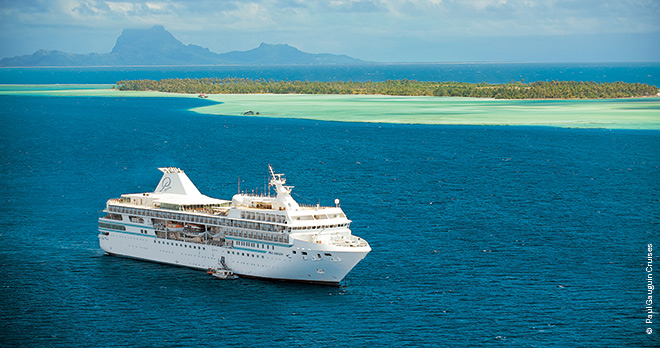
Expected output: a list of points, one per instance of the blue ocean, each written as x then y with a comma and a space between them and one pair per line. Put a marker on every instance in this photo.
490, 236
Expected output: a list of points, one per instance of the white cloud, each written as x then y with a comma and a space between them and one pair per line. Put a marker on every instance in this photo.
157, 6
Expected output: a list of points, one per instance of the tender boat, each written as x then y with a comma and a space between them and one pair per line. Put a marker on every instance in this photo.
222, 273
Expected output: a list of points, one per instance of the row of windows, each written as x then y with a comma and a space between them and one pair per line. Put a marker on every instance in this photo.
253, 245
257, 235
318, 255
245, 254
256, 226
318, 227
112, 226
180, 245
263, 217
319, 216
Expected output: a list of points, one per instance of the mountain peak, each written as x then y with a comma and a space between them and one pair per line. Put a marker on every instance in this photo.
267, 45
155, 37
157, 46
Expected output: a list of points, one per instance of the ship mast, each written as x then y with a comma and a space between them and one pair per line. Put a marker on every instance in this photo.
283, 191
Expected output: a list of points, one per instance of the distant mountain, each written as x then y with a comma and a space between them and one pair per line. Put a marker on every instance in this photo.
57, 58
284, 54
157, 46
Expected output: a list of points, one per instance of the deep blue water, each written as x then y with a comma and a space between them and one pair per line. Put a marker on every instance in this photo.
473, 72
481, 236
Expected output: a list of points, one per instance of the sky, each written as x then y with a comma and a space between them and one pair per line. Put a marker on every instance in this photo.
373, 30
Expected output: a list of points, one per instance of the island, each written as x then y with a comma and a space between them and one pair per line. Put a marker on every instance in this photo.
511, 90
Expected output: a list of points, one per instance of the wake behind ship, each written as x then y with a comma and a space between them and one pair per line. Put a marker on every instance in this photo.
262, 236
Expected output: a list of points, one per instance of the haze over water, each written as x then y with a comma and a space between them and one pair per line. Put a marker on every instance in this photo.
468, 72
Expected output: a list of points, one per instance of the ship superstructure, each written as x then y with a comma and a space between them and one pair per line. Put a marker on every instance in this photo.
264, 236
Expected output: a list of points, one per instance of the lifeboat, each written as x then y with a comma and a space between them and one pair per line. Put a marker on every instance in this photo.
195, 228
174, 226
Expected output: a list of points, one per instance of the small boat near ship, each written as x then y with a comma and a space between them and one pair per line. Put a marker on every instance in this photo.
222, 273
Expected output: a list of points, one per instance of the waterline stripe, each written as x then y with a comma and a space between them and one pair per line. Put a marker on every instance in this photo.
256, 251
257, 241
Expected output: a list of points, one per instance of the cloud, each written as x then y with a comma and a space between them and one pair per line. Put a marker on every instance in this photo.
454, 16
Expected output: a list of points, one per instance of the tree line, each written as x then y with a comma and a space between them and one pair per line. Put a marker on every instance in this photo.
512, 90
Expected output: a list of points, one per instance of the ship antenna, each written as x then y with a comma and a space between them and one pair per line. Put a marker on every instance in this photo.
272, 173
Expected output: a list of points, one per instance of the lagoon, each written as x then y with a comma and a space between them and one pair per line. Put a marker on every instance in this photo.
633, 113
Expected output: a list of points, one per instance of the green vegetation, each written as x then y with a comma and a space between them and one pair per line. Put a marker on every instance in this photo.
513, 90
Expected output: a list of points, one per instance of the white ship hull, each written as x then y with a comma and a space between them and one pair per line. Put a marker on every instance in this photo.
278, 263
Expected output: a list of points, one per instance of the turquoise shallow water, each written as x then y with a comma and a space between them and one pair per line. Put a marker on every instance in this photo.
481, 235
628, 114
631, 113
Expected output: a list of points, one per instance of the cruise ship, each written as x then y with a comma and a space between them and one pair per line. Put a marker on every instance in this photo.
267, 235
